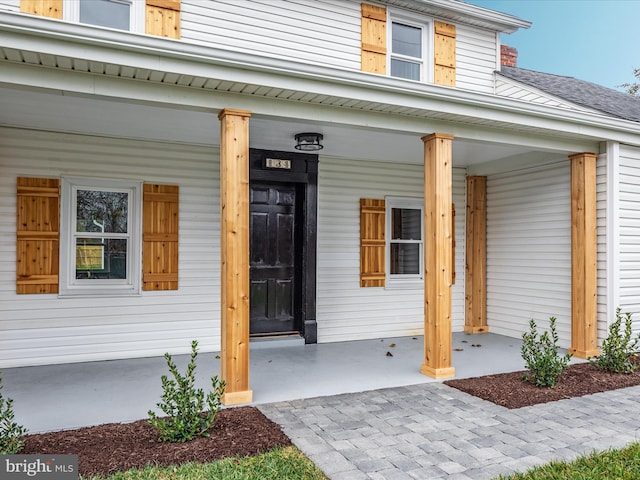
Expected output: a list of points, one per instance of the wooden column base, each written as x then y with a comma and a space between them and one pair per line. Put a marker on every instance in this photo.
474, 330
584, 353
448, 372
236, 398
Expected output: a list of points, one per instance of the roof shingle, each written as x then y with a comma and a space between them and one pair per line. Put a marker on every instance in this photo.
590, 95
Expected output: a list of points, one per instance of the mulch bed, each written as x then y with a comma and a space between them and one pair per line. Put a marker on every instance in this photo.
108, 448
508, 389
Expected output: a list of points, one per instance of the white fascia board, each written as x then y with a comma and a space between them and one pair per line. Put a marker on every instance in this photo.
140, 51
465, 13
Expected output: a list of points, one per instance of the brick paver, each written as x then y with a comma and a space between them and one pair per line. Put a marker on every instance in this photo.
432, 431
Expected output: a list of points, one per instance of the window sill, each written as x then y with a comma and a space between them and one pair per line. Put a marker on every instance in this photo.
99, 294
414, 284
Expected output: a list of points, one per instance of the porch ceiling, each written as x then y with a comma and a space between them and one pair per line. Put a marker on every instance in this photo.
41, 110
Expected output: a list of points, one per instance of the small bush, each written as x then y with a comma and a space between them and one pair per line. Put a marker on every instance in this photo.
185, 405
542, 360
10, 432
618, 348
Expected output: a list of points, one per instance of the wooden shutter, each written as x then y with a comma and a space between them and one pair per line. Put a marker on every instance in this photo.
372, 243
162, 18
374, 39
44, 8
444, 48
160, 237
37, 235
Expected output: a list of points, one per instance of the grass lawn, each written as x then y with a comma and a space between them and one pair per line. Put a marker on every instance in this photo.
291, 464
277, 464
621, 464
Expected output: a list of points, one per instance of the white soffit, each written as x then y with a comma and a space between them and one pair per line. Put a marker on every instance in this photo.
94, 116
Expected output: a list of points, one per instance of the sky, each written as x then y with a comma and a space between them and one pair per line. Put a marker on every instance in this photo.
593, 40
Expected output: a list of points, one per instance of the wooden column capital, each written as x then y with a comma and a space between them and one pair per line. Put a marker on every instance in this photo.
234, 112
585, 155
436, 136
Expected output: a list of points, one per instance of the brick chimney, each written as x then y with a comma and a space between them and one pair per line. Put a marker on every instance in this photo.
508, 56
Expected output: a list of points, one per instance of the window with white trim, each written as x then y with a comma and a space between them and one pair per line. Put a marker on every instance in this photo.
100, 237
405, 242
118, 14
408, 49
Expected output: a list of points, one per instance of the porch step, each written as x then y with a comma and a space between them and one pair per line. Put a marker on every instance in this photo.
276, 341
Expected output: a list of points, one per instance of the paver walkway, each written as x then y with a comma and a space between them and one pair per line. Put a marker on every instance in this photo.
433, 431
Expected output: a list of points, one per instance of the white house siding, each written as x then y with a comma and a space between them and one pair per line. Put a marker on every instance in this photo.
601, 214
10, 5
529, 250
512, 89
45, 329
475, 58
317, 31
630, 231
345, 311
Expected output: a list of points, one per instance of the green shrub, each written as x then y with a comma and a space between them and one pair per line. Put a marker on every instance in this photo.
185, 405
542, 360
10, 432
618, 348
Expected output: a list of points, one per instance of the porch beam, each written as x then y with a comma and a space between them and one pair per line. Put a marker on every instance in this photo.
234, 254
475, 320
584, 332
437, 258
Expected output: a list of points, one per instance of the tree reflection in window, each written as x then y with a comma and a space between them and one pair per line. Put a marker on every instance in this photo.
101, 234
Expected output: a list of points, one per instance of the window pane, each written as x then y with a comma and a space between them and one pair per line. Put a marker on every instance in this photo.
102, 212
404, 69
406, 224
405, 258
101, 258
106, 13
406, 40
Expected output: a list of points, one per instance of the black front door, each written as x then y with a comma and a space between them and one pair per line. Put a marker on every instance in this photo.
275, 258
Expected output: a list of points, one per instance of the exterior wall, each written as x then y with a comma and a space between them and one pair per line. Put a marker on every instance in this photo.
292, 30
10, 5
476, 53
529, 250
629, 182
512, 89
46, 329
601, 213
344, 310
324, 32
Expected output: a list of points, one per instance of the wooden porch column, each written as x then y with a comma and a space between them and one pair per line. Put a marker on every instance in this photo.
437, 256
234, 254
475, 320
584, 332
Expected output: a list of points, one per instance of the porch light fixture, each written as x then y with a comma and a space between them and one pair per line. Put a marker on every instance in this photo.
308, 141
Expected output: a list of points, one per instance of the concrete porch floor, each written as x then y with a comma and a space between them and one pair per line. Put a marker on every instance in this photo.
56, 397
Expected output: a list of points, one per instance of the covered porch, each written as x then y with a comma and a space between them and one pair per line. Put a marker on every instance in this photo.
192, 125
55, 397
